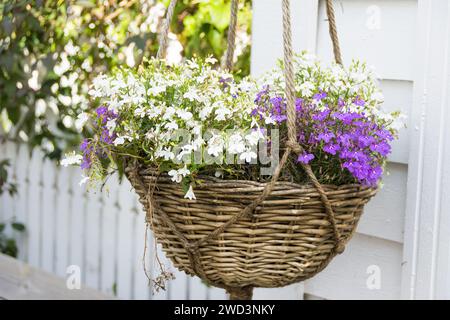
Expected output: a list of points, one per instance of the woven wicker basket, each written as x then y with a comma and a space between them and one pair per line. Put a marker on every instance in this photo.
287, 239
243, 234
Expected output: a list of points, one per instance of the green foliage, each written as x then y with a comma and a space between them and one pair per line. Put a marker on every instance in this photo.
6, 186
51, 50
8, 244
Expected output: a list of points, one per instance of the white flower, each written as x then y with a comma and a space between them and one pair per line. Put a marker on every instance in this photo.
81, 120
83, 180
399, 122
171, 125
154, 111
254, 137
176, 177
248, 155
71, 159
184, 171
211, 60
190, 194
218, 174
140, 112
119, 140
100, 86
222, 113
197, 129
111, 125
166, 154
192, 95
156, 90
170, 111
197, 143
306, 88
205, 112
236, 144
245, 86
185, 115
215, 145
358, 76
269, 120
186, 149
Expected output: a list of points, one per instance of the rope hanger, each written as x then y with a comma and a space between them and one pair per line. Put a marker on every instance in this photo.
292, 145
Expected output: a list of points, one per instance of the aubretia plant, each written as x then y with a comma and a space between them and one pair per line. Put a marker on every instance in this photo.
345, 135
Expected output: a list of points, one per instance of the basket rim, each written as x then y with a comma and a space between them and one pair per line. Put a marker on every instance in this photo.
209, 180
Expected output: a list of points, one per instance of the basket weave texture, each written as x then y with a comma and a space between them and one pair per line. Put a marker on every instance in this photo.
288, 237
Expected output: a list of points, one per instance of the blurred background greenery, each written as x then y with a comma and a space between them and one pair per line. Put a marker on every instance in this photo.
51, 50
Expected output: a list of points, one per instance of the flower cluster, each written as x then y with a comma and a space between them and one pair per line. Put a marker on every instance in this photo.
339, 121
189, 118
163, 114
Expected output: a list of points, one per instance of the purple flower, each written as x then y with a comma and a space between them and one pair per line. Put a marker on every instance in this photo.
326, 136
384, 134
86, 163
382, 148
84, 146
305, 157
319, 96
344, 140
365, 141
101, 111
331, 148
105, 115
347, 117
321, 116
341, 102
107, 137
260, 95
359, 102
299, 104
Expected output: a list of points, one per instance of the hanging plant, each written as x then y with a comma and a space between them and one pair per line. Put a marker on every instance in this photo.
244, 183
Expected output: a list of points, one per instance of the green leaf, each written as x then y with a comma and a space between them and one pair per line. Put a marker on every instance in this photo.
18, 226
2, 227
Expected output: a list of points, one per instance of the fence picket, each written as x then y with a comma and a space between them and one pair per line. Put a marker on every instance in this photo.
48, 181
62, 220
77, 225
125, 243
92, 237
34, 209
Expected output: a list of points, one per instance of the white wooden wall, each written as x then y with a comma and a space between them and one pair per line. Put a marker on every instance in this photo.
405, 229
389, 47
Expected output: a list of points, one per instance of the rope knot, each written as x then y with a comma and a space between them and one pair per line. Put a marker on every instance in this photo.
294, 146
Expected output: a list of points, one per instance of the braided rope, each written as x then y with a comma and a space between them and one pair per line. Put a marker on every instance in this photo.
165, 30
289, 74
292, 143
333, 32
231, 40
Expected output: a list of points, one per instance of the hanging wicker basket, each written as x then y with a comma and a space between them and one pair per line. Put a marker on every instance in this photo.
241, 234
288, 237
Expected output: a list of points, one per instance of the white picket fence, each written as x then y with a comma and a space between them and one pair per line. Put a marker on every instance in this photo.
102, 233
